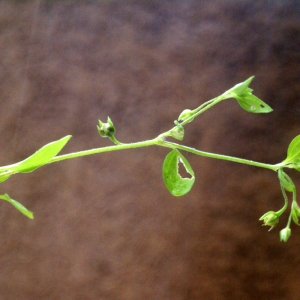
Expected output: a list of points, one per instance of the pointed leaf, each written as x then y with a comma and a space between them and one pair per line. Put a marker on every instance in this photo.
177, 185
40, 157
293, 152
253, 104
240, 87
4, 177
18, 206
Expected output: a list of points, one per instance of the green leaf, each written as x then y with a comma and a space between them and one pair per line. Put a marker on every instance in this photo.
253, 104
177, 185
40, 157
4, 177
240, 87
18, 206
243, 94
286, 181
293, 152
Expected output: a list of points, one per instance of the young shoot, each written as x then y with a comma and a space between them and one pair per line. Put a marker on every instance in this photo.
177, 184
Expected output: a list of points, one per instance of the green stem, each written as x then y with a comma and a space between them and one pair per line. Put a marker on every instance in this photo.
203, 107
219, 156
286, 201
159, 142
196, 112
288, 225
104, 149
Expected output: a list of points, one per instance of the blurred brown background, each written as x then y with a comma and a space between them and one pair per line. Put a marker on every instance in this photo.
105, 226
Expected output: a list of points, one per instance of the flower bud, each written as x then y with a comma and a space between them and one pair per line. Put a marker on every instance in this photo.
106, 129
187, 113
284, 234
270, 219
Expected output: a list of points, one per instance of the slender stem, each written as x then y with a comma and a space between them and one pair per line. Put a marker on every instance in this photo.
286, 201
219, 156
203, 107
288, 225
204, 104
104, 149
196, 112
162, 143
294, 197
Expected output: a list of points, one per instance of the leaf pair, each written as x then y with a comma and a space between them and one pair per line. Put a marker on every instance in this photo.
243, 94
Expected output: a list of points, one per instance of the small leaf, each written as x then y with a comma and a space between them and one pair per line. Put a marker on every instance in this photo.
40, 157
18, 206
286, 181
253, 104
4, 175
243, 94
4, 178
240, 87
293, 152
177, 185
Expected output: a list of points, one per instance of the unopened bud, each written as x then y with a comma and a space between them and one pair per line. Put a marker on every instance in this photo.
284, 234
106, 129
270, 219
187, 113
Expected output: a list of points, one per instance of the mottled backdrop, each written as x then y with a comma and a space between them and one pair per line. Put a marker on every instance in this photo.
105, 226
